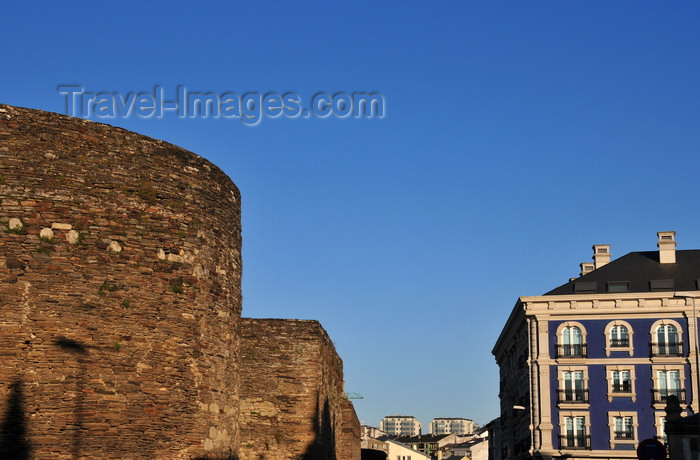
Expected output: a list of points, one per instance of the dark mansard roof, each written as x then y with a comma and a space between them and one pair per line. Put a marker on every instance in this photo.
639, 272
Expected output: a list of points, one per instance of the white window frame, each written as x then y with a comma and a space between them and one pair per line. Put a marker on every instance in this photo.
562, 385
611, 424
563, 415
609, 377
655, 368
660, 419
560, 338
608, 337
653, 335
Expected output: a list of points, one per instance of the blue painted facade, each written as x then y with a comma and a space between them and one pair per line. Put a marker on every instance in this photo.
599, 405
598, 393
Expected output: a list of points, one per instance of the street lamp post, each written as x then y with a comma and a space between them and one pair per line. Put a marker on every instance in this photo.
519, 407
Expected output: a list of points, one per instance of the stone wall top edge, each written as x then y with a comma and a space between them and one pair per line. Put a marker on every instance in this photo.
60, 122
293, 325
284, 320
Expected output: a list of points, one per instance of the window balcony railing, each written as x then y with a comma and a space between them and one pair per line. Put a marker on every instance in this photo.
577, 442
573, 396
624, 387
619, 343
666, 349
578, 350
660, 396
625, 434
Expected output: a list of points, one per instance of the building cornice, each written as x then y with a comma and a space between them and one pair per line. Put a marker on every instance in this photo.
607, 296
616, 303
638, 303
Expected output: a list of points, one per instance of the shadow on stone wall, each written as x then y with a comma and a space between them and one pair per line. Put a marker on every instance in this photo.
81, 351
14, 443
323, 447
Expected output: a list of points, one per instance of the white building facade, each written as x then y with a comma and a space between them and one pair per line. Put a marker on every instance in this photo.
400, 425
450, 425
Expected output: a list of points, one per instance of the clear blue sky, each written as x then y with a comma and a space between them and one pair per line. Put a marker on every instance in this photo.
516, 135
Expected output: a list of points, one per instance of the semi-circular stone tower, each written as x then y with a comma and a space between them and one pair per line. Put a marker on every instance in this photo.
120, 300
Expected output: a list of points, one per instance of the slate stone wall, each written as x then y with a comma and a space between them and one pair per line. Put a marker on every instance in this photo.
350, 439
292, 402
120, 296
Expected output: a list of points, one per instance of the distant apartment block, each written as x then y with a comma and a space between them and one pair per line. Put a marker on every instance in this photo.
400, 425
449, 425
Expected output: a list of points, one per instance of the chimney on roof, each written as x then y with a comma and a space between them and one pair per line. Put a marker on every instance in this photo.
586, 267
667, 247
601, 255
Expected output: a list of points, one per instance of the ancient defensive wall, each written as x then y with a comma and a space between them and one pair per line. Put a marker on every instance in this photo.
120, 311
292, 400
120, 297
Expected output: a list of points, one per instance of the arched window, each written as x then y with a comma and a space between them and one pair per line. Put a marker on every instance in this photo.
666, 339
618, 337
572, 341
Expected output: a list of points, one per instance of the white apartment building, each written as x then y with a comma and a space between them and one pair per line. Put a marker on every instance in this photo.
400, 425
450, 425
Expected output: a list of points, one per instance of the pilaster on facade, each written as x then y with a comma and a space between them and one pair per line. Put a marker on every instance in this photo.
545, 424
691, 304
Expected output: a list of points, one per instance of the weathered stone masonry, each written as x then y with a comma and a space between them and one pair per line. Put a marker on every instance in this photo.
120, 303
119, 291
350, 439
292, 400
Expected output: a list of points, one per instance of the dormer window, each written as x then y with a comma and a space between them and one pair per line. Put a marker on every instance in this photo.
661, 285
619, 286
585, 287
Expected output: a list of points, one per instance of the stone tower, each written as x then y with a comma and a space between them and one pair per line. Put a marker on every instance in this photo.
120, 298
